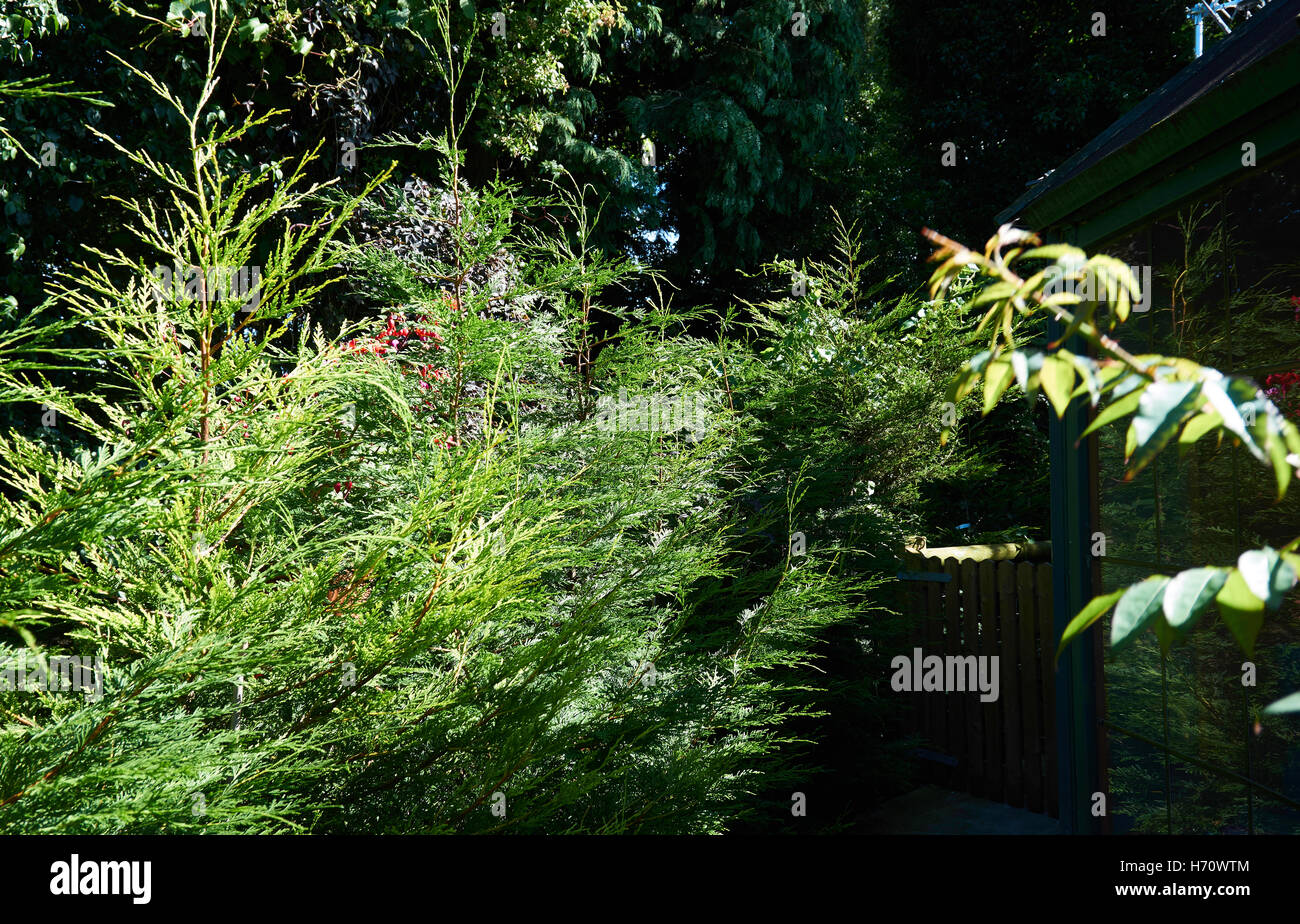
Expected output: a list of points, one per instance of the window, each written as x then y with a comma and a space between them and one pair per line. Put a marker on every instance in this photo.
1186, 752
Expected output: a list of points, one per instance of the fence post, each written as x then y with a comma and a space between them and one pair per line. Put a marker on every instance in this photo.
1009, 682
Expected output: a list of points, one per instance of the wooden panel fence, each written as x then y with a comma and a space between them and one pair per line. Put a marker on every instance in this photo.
1000, 606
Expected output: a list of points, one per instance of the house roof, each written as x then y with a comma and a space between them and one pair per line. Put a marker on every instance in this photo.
1257, 63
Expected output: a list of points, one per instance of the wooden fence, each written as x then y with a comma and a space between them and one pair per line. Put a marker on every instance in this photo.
988, 601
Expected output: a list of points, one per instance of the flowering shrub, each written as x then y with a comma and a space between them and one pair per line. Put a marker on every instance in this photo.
392, 339
1279, 386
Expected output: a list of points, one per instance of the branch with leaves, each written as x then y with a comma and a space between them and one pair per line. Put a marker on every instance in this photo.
1165, 398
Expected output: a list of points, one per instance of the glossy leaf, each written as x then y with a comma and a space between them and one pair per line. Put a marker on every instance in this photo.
1161, 411
1135, 609
1089, 380
1267, 575
1119, 407
1096, 608
1230, 397
1189, 593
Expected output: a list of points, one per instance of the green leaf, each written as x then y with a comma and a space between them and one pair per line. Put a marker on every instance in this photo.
1095, 609
992, 313
1029, 286
1281, 468
1291, 436
993, 293
253, 30
1285, 704
1241, 610
1267, 575
1166, 634
1229, 396
301, 46
1088, 379
997, 377
1139, 603
1057, 381
1116, 409
1029, 364
1056, 252
1115, 282
467, 8
964, 380
1189, 593
1161, 410
1082, 315
1020, 366
1197, 427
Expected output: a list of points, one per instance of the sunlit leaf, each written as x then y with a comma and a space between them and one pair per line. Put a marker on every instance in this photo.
1282, 473
1285, 704
1096, 608
997, 377
1089, 382
1119, 407
1197, 427
992, 293
1189, 593
1135, 608
1161, 410
1267, 575
253, 29
1230, 396
1056, 252
1057, 381
1241, 610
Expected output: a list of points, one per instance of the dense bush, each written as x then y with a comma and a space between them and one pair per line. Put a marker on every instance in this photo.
503, 557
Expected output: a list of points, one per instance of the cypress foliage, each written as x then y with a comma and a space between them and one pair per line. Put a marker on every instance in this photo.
406, 580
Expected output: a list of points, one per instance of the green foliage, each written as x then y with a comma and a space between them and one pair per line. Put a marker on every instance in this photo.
409, 579
367, 548
571, 88
1166, 396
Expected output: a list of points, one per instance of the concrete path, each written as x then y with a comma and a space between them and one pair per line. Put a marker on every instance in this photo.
932, 810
